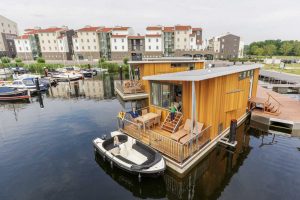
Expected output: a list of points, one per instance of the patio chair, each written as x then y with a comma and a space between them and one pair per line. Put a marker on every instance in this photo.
197, 130
183, 130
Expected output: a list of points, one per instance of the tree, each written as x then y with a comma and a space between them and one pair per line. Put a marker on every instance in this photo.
125, 60
296, 48
286, 48
259, 51
270, 49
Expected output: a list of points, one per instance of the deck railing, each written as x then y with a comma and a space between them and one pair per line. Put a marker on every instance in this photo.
130, 86
175, 150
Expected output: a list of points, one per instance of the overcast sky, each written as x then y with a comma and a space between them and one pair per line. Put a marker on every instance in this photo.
251, 19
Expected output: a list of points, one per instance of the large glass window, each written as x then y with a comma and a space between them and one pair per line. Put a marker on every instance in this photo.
163, 94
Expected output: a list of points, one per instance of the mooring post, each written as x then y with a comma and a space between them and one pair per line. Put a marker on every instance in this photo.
232, 133
37, 84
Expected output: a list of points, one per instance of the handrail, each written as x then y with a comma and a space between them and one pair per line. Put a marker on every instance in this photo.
165, 119
175, 127
269, 95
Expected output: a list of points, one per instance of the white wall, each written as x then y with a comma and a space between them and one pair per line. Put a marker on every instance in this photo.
6, 26
86, 42
182, 39
23, 45
63, 44
153, 43
119, 44
48, 41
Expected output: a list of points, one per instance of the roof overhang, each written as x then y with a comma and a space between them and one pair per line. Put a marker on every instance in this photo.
202, 74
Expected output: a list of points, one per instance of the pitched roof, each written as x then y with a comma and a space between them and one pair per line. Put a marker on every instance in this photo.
136, 37
31, 31
197, 29
23, 37
182, 28
49, 30
154, 28
120, 28
168, 29
153, 35
105, 30
118, 36
89, 29
202, 74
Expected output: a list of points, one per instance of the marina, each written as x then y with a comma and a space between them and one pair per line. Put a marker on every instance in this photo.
62, 163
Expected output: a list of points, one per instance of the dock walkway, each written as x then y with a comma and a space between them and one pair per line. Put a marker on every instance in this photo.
289, 111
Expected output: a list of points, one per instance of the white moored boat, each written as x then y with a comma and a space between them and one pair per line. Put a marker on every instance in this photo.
130, 155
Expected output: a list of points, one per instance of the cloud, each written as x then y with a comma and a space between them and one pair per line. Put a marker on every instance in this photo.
253, 20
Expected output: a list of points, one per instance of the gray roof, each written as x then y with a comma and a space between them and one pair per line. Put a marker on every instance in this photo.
167, 60
202, 74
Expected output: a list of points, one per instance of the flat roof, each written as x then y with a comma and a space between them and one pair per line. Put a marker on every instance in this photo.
167, 60
202, 74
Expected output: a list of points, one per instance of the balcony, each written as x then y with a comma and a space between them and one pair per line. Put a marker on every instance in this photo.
153, 135
131, 90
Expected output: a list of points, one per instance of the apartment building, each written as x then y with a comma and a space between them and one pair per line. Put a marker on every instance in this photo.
104, 35
136, 47
154, 41
226, 46
27, 45
119, 42
8, 32
86, 43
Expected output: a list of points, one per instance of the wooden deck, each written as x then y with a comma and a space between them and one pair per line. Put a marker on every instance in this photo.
289, 111
161, 140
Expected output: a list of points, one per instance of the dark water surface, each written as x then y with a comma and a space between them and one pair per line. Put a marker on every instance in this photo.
48, 154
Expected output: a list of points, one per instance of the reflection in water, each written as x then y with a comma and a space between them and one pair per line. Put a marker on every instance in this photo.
92, 89
206, 180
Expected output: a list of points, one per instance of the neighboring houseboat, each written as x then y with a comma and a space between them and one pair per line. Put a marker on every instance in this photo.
135, 88
206, 101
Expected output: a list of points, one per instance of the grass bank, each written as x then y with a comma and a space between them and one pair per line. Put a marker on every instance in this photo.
289, 68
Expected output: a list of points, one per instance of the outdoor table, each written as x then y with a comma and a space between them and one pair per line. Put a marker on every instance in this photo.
145, 118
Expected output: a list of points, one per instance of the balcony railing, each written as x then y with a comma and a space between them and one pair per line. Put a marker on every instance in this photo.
175, 150
130, 87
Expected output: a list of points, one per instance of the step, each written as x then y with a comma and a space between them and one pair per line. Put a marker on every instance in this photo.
169, 126
167, 129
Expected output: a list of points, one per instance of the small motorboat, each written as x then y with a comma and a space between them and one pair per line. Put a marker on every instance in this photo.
64, 77
130, 155
27, 84
11, 94
23, 76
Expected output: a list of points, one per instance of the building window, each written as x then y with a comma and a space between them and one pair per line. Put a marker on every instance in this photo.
49, 41
162, 94
192, 39
177, 39
27, 48
149, 40
88, 40
157, 47
122, 40
89, 47
75, 40
47, 34
149, 47
93, 33
185, 39
61, 48
94, 40
18, 41
20, 48
42, 41
95, 47
44, 48
115, 47
60, 41
156, 39
81, 40
87, 33
55, 48
123, 47
49, 48
54, 41
82, 47
76, 48
115, 40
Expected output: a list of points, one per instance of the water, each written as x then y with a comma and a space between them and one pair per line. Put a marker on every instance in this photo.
48, 154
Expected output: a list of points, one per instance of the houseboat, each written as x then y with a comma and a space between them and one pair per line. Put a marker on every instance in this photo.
134, 89
206, 101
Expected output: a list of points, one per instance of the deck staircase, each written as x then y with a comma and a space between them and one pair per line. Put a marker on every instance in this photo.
172, 126
272, 105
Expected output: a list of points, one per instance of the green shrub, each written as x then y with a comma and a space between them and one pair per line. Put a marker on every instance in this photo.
18, 60
125, 60
40, 60
5, 59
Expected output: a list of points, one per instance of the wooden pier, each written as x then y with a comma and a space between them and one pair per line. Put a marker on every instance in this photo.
287, 118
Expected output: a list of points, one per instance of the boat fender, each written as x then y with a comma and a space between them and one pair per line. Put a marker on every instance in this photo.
121, 115
111, 164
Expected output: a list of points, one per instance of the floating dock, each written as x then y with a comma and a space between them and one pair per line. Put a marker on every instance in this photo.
288, 120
